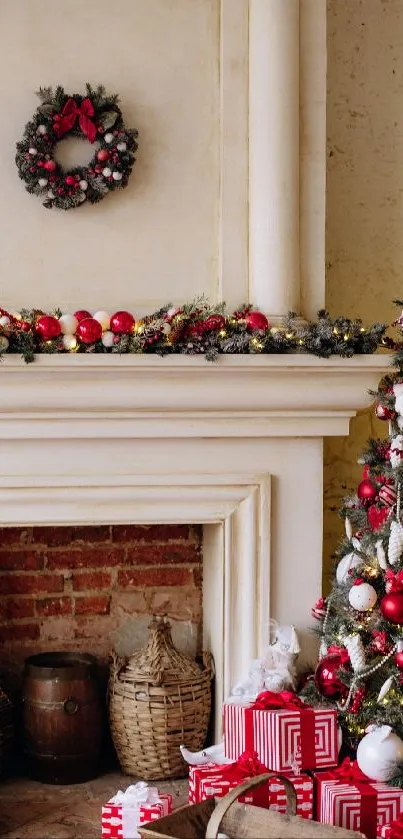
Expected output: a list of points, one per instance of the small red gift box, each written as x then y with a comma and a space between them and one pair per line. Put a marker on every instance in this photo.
216, 780
345, 797
122, 815
284, 731
391, 830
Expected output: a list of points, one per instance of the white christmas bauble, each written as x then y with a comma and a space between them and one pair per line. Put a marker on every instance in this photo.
108, 339
107, 172
43, 181
3, 343
117, 176
4, 320
379, 752
362, 597
33, 151
82, 197
16, 315
68, 324
51, 194
103, 318
108, 137
121, 146
348, 561
69, 342
167, 328
83, 185
41, 129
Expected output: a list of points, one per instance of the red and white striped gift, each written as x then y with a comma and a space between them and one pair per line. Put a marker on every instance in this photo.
303, 738
121, 820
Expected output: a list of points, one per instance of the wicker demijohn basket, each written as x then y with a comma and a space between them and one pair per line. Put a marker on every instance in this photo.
158, 700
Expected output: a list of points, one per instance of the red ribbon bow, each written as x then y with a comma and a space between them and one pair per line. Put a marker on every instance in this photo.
396, 828
349, 772
70, 113
394, 582
270, 701
247, 766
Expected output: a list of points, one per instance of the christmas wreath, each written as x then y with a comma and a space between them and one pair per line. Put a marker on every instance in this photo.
192, 329
95, 117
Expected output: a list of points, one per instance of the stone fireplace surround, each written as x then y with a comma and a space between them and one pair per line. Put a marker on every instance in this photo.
234, 445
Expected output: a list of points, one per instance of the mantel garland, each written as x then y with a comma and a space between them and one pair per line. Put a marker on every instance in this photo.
192, 329
95, 117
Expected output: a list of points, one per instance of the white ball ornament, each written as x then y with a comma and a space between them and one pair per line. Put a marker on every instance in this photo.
3, 343
348, 561
68, 324
4, 320
107, 172
108, 137
83, 185
117, 176
41, 129
108, 339
69, 342
32, 151
379, 752
43, 182
362, 597
82, 197
121, 146
51, 194
103, 318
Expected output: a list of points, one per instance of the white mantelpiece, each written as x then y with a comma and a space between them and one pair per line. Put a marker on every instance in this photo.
236, 445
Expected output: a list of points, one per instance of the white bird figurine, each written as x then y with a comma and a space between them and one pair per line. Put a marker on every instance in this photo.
213, 754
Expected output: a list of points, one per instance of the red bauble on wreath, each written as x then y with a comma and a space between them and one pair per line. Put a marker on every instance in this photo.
391, 607
48, 328
122, 323
89, 331
256, 320
326, 678
384, 413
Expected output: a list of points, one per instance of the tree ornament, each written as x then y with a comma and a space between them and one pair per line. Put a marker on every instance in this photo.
256, 321
346, 564
122, 323
4, 343
380, 554
399, 655
48, 327
367, 491
379, 752
396, 451
357, 700
327, 681
355, 649
81, 314
69, 342
348, 528
391, 607
89, 331
108, 339
65, 115
387, 495
103, 318
379, 644
384, 413
385, 689
395, 546
377, 516
362, 596
319, 609
5, 321
68, 324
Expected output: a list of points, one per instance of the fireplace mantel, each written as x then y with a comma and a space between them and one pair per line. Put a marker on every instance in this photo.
235, 445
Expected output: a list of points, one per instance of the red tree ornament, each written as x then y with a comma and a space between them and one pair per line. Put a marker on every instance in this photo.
383, 413
399, 659
256, 320
391, 607
81, 314
387, 495
89, 330
326, 678
377, 516
48, 327
367, 491
357, 700
122, 323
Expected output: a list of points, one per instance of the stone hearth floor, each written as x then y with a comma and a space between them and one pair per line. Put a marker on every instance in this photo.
30, 810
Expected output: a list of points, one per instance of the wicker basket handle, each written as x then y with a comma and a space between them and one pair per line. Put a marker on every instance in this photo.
226, 802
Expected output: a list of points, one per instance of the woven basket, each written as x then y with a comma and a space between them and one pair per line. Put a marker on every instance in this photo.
158, 699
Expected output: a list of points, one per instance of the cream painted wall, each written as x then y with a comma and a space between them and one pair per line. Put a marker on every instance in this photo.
158, 239
364, 243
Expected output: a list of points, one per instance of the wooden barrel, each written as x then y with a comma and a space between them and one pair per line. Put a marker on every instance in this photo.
62, 717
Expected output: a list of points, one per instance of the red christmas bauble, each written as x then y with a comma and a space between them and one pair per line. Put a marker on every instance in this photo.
383, 413
103, 154
24, 326
50, 165
326, 679
399, 660
122, 323
70, 179
367, 491
81, 314
89, 330
214, 323
256, 320
391, 607
48, 327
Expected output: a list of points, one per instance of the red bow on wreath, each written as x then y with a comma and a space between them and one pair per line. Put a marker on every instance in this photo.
65, 121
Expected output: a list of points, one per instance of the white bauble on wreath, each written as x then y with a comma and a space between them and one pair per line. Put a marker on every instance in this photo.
379, 752
362, 597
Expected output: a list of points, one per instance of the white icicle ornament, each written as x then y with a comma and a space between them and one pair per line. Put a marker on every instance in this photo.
396, 451
385, 689
347, 562
355, 649
379, 752
395, 546
380, 554
348, 527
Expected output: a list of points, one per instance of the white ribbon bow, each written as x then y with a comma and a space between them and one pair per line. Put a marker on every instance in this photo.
131, 800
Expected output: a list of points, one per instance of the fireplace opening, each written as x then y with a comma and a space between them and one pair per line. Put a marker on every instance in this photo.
94, 589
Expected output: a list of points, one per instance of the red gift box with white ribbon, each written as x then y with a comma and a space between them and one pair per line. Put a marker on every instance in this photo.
391, 830
345, 797
139, 804
215, 780
286, 733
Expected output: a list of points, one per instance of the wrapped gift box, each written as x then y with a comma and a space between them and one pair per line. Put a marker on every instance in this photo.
286, 733
391, 830
215, 781
345, 797
139, 804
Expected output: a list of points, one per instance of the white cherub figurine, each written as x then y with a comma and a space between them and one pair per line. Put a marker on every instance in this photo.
276, 669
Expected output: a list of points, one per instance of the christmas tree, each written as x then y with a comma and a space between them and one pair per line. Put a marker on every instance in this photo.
360, 668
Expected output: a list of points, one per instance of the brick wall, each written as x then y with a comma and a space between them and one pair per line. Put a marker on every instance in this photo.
84, 588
